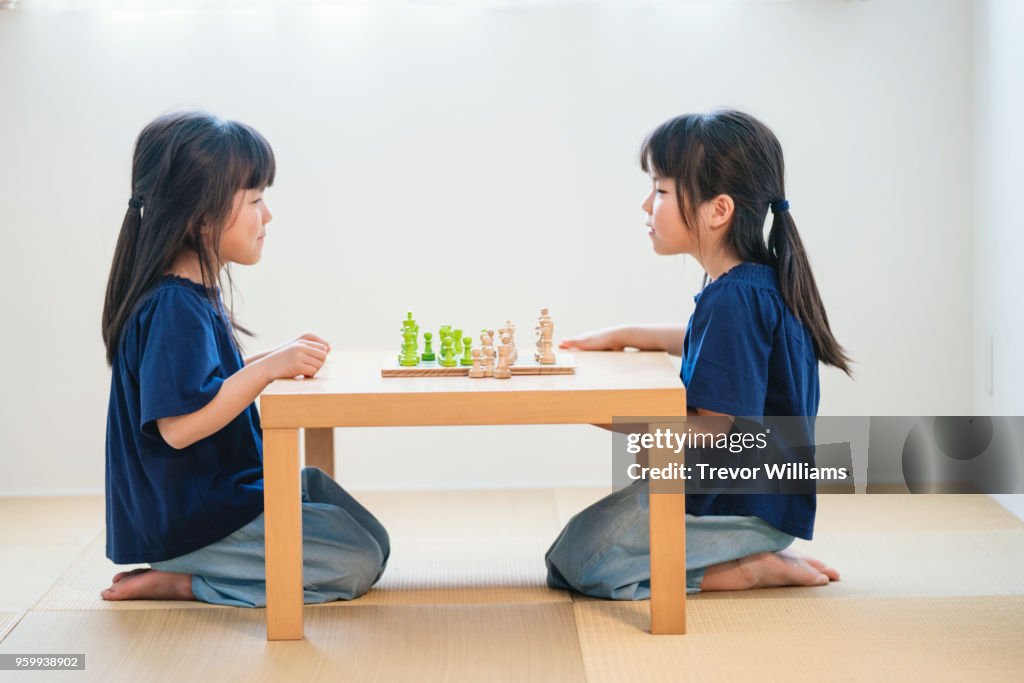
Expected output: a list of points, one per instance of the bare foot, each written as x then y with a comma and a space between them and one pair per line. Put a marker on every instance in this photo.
149, 584
832, 574
766, 570
120, 575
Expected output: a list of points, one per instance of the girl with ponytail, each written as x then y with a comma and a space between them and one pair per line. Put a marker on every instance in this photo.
751, 349
184, 475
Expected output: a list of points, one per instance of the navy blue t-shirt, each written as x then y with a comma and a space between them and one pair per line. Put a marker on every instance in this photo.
745, 354
175, 352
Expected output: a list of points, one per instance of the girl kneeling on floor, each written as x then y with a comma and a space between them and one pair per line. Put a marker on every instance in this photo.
184, 474
751, 349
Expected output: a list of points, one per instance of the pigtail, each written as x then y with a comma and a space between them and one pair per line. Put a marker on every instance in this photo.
799, 290
122, 277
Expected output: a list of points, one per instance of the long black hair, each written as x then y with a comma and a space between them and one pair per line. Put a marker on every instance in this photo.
732, 153
186, 168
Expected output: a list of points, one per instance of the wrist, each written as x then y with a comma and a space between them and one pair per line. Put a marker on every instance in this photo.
623, 336
262, 370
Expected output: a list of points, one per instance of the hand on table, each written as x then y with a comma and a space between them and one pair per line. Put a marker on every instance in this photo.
608, 339
303, 356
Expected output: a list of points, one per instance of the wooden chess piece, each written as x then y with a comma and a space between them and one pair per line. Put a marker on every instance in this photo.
545, 341
503, 371
478, 369
488, 351
514, 356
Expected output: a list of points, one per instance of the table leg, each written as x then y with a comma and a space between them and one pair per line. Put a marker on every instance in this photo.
282, 503
668, 545
320, 450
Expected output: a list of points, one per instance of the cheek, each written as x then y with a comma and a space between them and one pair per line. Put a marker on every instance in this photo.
668, 213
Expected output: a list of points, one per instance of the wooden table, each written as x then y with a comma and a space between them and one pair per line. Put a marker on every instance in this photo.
349, 392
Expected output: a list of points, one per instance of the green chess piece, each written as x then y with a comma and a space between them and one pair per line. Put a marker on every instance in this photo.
448, 353
409, 325
409, 357
467, 351
458, 341
428, 349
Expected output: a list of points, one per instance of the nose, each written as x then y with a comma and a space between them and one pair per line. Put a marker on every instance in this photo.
647, 203
267, 215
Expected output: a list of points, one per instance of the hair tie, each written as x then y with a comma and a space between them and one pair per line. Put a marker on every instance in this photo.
780, 206
135, 203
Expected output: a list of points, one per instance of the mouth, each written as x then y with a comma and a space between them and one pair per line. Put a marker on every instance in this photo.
650, 229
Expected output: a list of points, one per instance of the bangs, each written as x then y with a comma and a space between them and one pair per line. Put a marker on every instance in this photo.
666, 150
252, 165
654, 157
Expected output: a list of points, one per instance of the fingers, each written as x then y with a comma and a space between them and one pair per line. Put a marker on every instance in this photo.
585, 344
309, 336
312, 358
317, 349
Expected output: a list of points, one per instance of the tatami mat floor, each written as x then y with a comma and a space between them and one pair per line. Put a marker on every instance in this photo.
932, 589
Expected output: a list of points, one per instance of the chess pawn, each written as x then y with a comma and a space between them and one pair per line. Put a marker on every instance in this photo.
448, 359
478, 368
503, 371
443, 333
467, 358
428, 349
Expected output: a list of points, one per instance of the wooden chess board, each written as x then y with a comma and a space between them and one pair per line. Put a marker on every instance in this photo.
565, 364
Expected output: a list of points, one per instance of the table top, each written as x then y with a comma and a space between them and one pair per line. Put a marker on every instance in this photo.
349, 391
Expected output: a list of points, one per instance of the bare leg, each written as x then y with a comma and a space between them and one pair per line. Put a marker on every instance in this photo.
149, 584
766, 570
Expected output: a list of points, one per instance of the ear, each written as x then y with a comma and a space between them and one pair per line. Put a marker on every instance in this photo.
719, 211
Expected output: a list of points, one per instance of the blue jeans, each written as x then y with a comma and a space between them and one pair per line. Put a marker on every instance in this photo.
604, 551
344, 552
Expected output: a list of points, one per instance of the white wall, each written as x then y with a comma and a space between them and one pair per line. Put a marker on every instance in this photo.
998, 217
472, 162
998, 221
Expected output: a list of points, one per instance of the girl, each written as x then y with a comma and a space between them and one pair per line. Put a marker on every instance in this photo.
751, 349
184, 476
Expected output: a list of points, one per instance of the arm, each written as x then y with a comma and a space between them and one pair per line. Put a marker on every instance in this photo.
666, 337
663, 337
300, 357
255, 357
